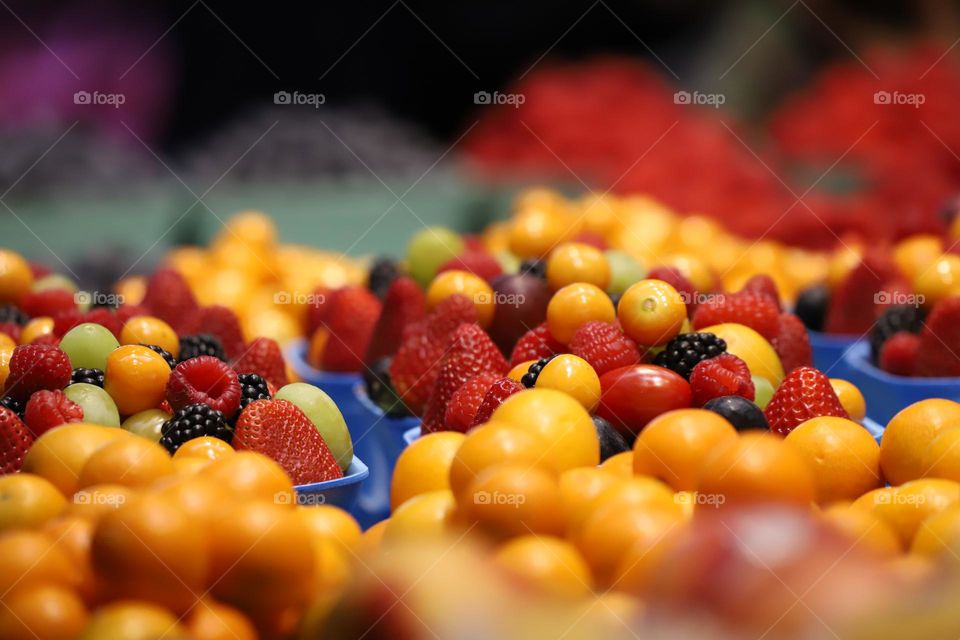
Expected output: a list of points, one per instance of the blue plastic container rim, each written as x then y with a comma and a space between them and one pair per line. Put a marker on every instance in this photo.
398, 422
411, 435
356, 473
858, 356
296, 352
837, 340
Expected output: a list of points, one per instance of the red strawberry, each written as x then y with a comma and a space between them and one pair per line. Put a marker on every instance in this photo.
317, 308
852, 302
48, 409
792, 343
678, 281
535, 344
220, 322
939, 351
49, 303
350, 322
723, 375
762, 283
204, 379
15, 441
757, 311
898, 355
12, 329
465, 402
403, 305
604, 346
415, 367
35, 367
281, 431
264, 358
804, 394
496, 394
168, 297
479, 263
470, 353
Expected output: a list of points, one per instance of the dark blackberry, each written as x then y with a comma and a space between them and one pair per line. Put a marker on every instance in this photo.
12, 313
529, 379
382, 273
194, 421
811, 306
892, 320
252, 387
686, 350
202, 344
166, 355
13, 404
534, 267
88, 376
380, 389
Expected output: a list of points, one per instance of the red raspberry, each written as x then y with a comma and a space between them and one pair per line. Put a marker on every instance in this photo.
220, 322
465, 402
757, 311
15, 441
48, 409
535, 344
204, 379
35, 367
403, 305
604, 346
762, 283
353, 315
264, 358
479, 263
898, 355
792, 343
12, 329
678, 281
940, 341
49, 303
168, 297
496, 394
469, 353
804, 394
723, 375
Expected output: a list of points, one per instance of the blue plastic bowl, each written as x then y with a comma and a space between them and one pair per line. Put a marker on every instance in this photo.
887, 394
875, 429
410, 435
389, 430
342, 492
828, 352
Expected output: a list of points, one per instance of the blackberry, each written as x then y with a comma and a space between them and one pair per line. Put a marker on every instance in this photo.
87, 376
12, 313
13, 404
194, 421
252, 387
380, 389
892, 320
529, 379
166, 355
811, 306
686, 350
382, 273
534, 267
202, 344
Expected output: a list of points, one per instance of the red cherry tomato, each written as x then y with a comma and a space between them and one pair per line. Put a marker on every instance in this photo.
630, 397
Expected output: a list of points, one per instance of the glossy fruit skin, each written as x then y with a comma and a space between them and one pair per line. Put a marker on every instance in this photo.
325, 416
942, 457
851, 398
612, 441
88, 345
937, 534
521, 304
651, 312
59, 454
27, 501
35, 328
910, 504
489, 445
46, 611
146, 424
909, 434
150, 330
575, 304
577, 262
136, 379
574, 376
549, 564
633, 396
428, 249
425, 516
466, 284
424, 466
131, 462
15, 276
752, 348
98, 406
508, 500
738, 411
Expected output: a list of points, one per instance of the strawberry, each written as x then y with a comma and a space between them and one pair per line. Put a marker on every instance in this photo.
792, 343
939, 350
678, 281
403, 305
465, 402
898, 355
350, 322
15, 441
220, 322
535, 344
415, 367
281, 431
168, 297
852, 301
48, 409
604, 346
477, 262
49, 303
755, 310
804, 394
723, 375
317, 308
264, 358
470, 353
496, 394
762, 283
35, 367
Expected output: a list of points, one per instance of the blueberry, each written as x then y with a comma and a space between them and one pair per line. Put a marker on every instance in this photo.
739, 412
811, 306
612, 441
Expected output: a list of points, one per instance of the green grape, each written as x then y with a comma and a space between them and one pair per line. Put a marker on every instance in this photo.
624, 271
98, 406
54, 281
88, 345
146, 424
764, 391
508, 262
430, 248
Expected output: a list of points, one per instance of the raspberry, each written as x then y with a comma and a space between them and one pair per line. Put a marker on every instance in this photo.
804, 394
204, 380
15, 441
49, 303
678, 281
194, 421
892, 321
604, 346
168, 297
724, 375
792, 343
535, 344
496, 394
852, 301
898, 355
48, 409
35, 367
383, 272
264, 358
350, 322
465, 401
47, 340
403, 304
479, 263
683, 353
755, 310
940, 341
220, 322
